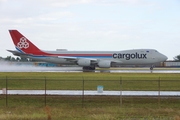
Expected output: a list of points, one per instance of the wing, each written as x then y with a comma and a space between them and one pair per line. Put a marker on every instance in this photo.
75, 59
93, 61
71, 59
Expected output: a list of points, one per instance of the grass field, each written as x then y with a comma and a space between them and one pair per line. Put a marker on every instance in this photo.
74, 81
93, 107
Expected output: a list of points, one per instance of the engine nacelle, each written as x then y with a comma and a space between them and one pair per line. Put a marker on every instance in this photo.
84, 62
104, 64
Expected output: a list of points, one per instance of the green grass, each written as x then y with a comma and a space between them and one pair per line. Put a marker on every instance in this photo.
90, 107
94, 107
74, 81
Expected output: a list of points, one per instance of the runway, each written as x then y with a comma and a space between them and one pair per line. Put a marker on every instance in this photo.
28, 68
91, 92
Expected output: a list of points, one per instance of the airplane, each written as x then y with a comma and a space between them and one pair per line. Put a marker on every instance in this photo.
88, 60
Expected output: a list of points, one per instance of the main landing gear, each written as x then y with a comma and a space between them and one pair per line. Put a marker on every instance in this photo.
89, 68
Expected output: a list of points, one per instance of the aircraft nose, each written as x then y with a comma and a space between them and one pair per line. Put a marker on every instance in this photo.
164, 58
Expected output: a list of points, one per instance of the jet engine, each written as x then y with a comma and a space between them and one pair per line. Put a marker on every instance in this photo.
104, 64
84, 62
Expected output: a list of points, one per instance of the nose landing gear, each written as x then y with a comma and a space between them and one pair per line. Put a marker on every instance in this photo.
151, 68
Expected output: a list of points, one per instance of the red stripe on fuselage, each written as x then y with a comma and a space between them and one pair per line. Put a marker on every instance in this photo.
50, 54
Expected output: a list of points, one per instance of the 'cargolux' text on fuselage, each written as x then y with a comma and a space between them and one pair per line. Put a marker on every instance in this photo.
128, 56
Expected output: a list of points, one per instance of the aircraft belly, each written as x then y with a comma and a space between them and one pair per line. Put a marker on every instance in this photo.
133, 62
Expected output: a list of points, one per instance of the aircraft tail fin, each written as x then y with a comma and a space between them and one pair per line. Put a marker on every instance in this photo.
22, 44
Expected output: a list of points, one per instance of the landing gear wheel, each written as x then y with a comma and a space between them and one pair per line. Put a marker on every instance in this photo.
151, 68
89, 68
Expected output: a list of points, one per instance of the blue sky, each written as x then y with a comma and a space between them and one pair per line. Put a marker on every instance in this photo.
93, 24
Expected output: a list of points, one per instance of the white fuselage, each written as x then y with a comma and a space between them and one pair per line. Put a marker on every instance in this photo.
128, 57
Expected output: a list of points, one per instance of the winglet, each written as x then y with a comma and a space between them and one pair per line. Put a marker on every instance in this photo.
22, 44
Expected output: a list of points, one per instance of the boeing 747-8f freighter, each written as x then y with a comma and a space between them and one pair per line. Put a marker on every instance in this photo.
89, 60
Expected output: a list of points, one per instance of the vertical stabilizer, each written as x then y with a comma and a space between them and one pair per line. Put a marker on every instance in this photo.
22, 44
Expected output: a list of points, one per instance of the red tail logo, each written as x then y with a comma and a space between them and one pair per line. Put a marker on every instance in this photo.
23, 45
